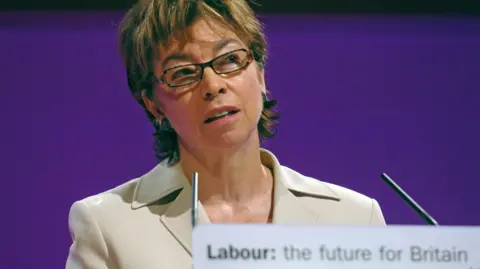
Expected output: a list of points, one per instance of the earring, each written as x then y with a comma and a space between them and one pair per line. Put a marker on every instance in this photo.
264, 97
165, 125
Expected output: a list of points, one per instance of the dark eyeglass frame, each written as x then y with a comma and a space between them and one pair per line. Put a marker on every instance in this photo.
161, 79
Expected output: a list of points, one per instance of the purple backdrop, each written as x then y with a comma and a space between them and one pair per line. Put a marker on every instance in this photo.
359, 96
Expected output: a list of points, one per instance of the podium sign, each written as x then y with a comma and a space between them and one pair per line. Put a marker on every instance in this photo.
232, 246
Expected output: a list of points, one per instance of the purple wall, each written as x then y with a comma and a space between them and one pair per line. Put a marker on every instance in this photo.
359, 96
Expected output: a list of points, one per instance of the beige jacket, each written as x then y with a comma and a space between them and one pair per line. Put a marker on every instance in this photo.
146, 222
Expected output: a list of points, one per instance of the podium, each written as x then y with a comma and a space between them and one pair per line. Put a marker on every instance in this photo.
269, 246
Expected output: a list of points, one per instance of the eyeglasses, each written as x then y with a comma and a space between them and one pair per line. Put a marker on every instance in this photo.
222, 65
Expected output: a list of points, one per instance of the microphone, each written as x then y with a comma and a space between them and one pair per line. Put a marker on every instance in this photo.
194, 198
425, 216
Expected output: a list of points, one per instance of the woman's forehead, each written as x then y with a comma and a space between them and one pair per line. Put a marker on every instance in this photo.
201, 34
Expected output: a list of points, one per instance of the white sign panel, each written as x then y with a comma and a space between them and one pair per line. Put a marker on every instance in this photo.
217, 246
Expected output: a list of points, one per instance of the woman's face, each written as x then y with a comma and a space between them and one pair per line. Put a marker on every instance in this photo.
190, 109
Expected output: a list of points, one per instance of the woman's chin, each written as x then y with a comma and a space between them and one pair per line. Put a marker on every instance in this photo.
231, 139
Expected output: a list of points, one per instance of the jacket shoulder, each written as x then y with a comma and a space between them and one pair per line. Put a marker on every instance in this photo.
113, 198
90, 221
316, 186
338, 200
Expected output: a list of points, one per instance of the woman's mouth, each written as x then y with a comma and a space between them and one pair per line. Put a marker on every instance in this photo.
220, 115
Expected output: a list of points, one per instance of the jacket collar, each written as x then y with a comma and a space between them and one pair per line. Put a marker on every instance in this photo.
164, 180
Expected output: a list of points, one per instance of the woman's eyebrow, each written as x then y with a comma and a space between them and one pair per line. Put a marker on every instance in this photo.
220, 44
178, 56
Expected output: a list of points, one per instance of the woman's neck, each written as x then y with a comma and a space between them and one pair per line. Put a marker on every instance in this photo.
228, 176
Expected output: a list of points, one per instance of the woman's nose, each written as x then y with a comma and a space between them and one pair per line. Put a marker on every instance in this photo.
212, 84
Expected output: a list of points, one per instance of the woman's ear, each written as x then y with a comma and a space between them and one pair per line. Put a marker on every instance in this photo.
151, 106
261, 77
262, 81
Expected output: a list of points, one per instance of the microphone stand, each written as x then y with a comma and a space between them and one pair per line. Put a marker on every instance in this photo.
409, 200
194, 199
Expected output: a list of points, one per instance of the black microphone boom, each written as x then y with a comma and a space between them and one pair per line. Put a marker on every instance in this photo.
409, 200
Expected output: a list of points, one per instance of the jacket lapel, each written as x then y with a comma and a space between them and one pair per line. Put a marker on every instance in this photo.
178, 218
168, 183
288, 209
289, 187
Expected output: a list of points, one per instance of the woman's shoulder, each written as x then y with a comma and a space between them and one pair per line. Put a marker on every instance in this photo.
133, 194
319, 187
126, 193
117, 221
332, 199
107, 201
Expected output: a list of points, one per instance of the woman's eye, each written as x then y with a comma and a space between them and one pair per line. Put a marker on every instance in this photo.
232, 58
183, 72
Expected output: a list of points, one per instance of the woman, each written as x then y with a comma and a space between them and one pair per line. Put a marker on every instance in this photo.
197, 68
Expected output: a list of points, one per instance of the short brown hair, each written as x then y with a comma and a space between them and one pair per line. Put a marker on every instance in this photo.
150, 24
